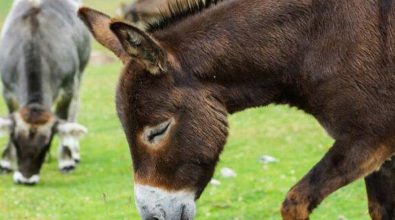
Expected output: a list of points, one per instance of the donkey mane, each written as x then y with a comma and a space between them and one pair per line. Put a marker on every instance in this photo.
179, 10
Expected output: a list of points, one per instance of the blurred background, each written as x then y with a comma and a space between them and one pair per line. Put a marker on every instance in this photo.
269, 149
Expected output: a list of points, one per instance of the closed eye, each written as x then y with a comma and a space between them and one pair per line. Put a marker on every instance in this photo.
155, 134
158, 131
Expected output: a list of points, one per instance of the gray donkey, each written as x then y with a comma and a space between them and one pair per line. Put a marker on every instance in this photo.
44, 49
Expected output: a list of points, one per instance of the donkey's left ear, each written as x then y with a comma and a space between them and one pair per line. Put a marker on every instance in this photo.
141, 45
71, 129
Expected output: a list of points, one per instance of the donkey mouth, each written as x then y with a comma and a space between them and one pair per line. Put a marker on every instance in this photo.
158, 204
25, 183
19, 178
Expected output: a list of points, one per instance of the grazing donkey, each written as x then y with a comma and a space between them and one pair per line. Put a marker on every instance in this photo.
333, 59
44, 50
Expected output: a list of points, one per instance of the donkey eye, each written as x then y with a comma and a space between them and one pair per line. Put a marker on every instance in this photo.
156, 133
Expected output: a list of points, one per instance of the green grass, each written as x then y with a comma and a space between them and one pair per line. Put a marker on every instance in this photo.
101, 187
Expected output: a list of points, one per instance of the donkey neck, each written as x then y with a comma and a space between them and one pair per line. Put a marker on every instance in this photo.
33, 78
249, 49
32, 74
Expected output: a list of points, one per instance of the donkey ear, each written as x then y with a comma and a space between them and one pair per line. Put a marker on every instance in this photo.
99, 25
5, 126
71, 129
141, 45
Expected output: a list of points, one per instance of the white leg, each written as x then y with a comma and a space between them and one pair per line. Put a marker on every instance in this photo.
66, 162
73, 143
8, 158
69, 152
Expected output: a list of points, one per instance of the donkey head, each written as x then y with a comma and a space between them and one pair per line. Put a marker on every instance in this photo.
175, 125
31, 131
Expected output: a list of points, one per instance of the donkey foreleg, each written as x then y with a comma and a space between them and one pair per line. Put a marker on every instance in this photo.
380, 187
7, 158
72, 117
345, 162
66, 163
69, 152
9, 154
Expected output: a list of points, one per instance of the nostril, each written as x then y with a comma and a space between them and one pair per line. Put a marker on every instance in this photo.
152, 218
183, 217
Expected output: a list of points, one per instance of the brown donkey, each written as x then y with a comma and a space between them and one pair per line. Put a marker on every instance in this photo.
333, 59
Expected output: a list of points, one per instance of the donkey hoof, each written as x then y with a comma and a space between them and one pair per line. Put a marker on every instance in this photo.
5, 167
77, 161
67, 169
5, 170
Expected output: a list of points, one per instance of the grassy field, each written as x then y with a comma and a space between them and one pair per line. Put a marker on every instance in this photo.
101, 187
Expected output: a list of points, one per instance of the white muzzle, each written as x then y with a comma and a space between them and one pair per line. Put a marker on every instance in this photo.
20, 179
156, 204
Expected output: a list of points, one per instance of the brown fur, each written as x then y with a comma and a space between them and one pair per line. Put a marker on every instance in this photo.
107, 38
35, 115
333, 59
381, 189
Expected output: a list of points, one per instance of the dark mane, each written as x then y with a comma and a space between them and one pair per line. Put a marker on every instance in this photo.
179, 10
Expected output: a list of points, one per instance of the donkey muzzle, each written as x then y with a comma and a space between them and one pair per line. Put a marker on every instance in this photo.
19, 178
157, 204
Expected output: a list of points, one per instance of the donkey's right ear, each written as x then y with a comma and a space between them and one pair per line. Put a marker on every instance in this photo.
99, 25
5, 126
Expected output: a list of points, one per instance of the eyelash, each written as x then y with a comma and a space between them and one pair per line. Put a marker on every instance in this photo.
158, 131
